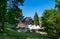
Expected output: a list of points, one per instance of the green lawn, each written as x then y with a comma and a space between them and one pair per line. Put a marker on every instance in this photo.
12, 34
16, 35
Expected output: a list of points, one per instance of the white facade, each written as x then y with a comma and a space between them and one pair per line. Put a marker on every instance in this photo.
35, 27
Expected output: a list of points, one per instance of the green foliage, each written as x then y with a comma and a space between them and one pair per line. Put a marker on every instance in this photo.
57, 5
51, 22
18, 13
36, 19
14, 13
2, 13
11, 16
2, 9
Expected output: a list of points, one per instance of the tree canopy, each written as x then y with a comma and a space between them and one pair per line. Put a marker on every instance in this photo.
36, 19
51, 21
4, 10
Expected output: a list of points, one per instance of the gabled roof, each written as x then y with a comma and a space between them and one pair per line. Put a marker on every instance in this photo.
21, 25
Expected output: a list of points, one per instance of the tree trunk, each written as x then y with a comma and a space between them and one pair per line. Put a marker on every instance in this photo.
2, 27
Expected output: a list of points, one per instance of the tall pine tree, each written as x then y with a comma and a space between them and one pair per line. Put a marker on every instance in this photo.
36, 19
3, 9
14, 12
2, 13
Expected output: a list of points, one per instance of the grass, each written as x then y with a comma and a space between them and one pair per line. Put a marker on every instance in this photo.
12, 34
16, 35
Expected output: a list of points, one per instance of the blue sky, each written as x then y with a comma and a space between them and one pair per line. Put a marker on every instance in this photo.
32, 6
